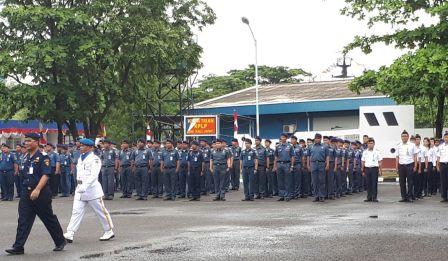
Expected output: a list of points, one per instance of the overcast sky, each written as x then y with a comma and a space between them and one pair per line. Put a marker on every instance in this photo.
308, 34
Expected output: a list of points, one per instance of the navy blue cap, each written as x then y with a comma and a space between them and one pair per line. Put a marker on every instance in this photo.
268, 140
149, 142
284, 135
106, 141
248, 140
234, 140
157, 141
169, 140
142, 140
333, 139
294, 137
258, 138
301, 140
218, 140
309, 139
125, 141
195, 143
34, 136
346, 141
318, 135
87, 142
185, 142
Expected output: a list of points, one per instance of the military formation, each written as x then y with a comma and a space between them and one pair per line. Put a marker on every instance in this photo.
325, 168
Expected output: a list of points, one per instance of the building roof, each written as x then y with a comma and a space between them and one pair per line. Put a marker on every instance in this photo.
288, 93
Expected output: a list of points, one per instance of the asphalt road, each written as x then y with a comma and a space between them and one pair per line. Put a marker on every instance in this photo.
345, 229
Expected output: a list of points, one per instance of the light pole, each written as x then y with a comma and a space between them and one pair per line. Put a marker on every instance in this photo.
257, 112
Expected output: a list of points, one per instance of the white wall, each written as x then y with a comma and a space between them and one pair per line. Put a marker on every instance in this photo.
326, 123
387, 137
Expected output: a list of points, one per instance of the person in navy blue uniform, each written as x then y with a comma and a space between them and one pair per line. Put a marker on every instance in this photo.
36, 198
65, 161
195, 167
284, 160
156, 172
207, 183
272, 176
330, 178
249, 166
296, 175
170, 166
220, 163
17, 174
8, 168
235, 172
319, 162
55, 178
140, 159
305, 180
261, 180
183, 169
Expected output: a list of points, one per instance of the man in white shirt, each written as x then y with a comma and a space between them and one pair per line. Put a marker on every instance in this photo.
442, 167
89, 192
406, 166
371, 165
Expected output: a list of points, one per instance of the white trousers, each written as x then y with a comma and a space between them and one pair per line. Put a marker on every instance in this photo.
79, 209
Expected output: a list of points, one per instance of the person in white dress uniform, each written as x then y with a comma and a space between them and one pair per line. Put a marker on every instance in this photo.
89, 192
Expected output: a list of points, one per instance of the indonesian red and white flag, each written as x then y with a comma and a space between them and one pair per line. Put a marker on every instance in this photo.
235, 124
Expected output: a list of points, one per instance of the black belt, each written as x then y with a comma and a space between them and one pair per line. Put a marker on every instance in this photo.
142, 166
4, 171
125, 166
261, 165
169, 167
109, 166
283, 162
247, 167
372, 167
318, 161
220, 164
236, 159
156, 166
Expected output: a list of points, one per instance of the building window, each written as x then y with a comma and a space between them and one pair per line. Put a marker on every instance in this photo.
390, 118
371, 119
290, 128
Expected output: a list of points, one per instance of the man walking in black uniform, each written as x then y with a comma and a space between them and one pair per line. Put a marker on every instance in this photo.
36, 198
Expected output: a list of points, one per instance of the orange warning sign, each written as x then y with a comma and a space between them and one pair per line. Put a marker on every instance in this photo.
201, 125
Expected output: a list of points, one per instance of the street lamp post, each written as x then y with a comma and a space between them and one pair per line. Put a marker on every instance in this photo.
257, 112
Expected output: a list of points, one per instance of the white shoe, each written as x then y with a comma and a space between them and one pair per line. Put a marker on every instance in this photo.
69, 236
108, 235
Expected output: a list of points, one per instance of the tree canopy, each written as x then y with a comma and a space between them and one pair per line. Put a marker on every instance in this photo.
75, 61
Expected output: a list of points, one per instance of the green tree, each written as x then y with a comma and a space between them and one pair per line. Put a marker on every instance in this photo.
418, 77
77, 60
213, 86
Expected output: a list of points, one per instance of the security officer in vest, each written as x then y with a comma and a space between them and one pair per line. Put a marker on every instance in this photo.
183, 169
261, 181
220, 163
272, 176
109, 161
249, 168
65, 161
125, 169
319, 162
36, 198
195, 166
156, 172
170, 166
141, 159
236, 165
8, 168
284, 160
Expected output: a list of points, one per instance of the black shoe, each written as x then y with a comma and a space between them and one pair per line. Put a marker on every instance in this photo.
348, 193
321, 200
60, 247
411, 201
316, 200
123, 196
223, 199
367, 200
444, 200
245, 199
183, 196
281, 199
287, 199
304, 196
403, 200
139, 198
342, 196
375, 200
258, 197
15, 251
204, 193
155, 196
194, 199
251, 199
167, 199
216, 199
331, 197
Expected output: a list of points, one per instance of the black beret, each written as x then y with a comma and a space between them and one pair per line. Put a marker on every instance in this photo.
50, 144
293, 137
169, 140
157, 141
346, 141
125, 141
142, 140
234, 140
309, 139
268, 140
301, 140
318, 135
195, 143
248, 140
107, 141
284, 135
149, 141
34, 136
185, 142
219, 140
258, 138
325, 137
